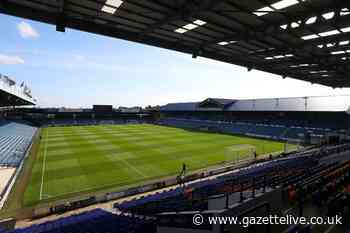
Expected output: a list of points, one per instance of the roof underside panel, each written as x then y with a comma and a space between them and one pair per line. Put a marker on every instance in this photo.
306, 40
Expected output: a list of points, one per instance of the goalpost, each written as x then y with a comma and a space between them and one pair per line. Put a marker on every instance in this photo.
237, 153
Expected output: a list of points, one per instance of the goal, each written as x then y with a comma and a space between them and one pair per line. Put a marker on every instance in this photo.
238, 153
291, 146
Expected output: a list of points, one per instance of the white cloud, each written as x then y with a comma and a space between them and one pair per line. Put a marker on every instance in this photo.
27, 31
10, 60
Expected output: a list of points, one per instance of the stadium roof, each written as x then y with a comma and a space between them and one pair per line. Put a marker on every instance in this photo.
303, 39
295, 104
12, 94
190, 106
10, 99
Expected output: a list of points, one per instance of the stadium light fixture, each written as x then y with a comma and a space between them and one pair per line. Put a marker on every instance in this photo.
328, 15
199, 22
347, 29
311, 20
279, 57
329, 33
318, 71
284, 4
111, 6
337, 52
108, 9
223, 43
276, 6
263, 11
180, 30
344, 11
345, 42
310, 37
295, 24
190, 26
284, 26
114, 3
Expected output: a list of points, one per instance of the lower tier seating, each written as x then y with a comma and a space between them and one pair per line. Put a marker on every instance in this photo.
279, 132
96, 221
15, 139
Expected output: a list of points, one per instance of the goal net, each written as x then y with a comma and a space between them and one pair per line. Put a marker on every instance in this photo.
238, 153
292, 145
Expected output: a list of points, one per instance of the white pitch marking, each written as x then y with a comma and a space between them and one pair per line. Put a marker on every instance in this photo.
43, 167
131, 166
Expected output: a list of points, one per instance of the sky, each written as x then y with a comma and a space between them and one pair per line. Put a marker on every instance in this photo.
79, 69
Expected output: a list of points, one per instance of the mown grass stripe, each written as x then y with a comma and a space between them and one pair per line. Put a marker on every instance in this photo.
81, 158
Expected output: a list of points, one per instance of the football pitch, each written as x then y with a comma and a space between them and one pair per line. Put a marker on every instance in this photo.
78, 159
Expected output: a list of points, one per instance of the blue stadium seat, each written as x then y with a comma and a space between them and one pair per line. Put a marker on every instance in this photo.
176, 200
15, 139
279, 130
95, 221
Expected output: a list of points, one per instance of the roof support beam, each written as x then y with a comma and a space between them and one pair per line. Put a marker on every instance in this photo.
61, 21
269, 29
257, 33
262, 32
3, 4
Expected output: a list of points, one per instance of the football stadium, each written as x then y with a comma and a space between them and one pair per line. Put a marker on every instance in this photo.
220, 165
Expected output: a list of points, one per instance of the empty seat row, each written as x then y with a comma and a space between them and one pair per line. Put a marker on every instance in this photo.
15, 139
96, 221
273, 131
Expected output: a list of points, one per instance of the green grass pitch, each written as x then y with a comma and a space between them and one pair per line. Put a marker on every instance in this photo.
79, 159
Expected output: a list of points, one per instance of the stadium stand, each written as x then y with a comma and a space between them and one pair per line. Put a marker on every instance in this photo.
97, 221
302, 162
317, 114
71, 122
289, 175
297, 176
277, 132
305, 40
15, 139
